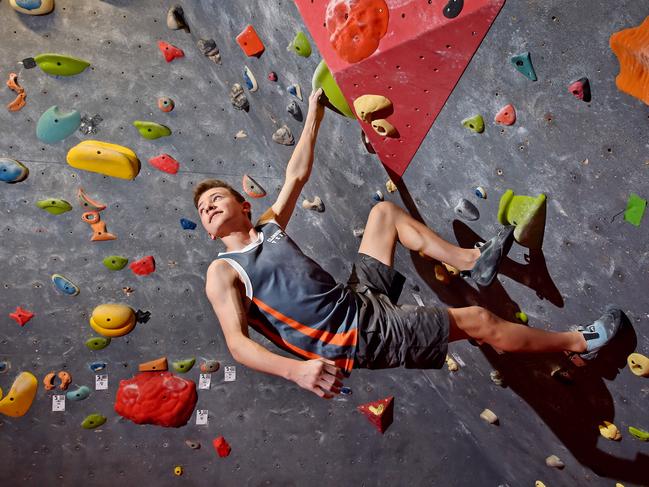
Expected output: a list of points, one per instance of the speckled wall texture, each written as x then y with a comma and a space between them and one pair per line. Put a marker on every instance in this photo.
587, 158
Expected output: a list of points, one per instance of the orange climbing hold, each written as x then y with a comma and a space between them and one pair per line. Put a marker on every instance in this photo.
506, 115
19, 101
250, 42
21, 316
631, 46
154, 365
356, 27
169, 51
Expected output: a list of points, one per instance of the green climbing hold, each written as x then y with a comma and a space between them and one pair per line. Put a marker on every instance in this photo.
300, 45
151, 130
474, 123
523, 65
322, 78
97, 343
641, 435
55, 206
521, 316
93, 421
635, 208
115, 262
60, 65
527, 214
183, 366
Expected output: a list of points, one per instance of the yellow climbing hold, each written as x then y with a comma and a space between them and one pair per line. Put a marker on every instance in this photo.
20, 397
639, 364
538, 483
452, 364
178, 470
367, 105
104, 158
113, 320
32, 7
390, 186
609, 430
384, 128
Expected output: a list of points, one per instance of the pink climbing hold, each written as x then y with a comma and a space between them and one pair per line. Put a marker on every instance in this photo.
165, 163
169, 51
580, 89
272, 76
506, 115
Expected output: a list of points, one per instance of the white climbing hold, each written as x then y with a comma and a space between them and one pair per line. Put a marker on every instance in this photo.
316, 204
554, 461
241, 134
451, 364
358, 232
283, 136
489, 416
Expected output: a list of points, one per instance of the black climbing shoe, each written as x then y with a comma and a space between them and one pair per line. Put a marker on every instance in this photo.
491, 255
601, 332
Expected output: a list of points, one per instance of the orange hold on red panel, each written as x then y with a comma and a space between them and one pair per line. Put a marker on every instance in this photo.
250, 42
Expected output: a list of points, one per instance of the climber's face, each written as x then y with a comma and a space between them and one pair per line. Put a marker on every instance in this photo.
221, 213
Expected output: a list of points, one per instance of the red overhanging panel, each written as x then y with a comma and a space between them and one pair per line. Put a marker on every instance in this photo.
418, 62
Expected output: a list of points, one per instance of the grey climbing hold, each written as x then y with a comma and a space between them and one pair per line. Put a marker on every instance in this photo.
194, 445
523, 64
89, 124
210, 366
209, 49
176, 19
294, 109
467, 210
316, 204
496, 378
238, 98
283, 136
358, 232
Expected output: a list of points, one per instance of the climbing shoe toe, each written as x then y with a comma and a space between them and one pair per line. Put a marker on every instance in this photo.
601, 332
491, 254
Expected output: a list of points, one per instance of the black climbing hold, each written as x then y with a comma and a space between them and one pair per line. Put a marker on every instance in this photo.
467, 210
28, 63
142, 316
209, 49
453, 8
294, 109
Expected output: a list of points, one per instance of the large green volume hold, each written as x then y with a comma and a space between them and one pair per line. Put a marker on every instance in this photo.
60, 65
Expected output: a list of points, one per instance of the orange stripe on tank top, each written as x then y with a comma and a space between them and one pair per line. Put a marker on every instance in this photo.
343, 363
342, 339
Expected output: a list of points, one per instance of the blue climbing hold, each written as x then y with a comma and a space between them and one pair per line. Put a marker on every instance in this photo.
187, 224
65, 285
97, 366
523, 65
378, 196
346, 390
55, 125
4, 366
12, 171
29, 4
79, 394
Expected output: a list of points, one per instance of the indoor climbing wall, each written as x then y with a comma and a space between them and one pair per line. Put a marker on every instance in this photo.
64, 251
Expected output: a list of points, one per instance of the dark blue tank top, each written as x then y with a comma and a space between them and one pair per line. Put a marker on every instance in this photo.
294, 302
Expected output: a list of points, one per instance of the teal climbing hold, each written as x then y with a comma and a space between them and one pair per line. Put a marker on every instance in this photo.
475, 123
300, 45
55, 125
97, 343
65, 285
183, 366
115, 262
151, 130
93, 421
79, 394
523, 65
55, 206
58, 64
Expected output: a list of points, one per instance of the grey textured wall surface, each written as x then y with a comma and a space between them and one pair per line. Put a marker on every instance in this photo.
280, 434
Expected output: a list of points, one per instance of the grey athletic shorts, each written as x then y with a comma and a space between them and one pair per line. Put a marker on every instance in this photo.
391, 335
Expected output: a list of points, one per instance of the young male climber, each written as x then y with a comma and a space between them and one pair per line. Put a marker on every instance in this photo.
264, 280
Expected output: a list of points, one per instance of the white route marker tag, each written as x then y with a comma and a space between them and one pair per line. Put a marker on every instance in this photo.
201, 416
417, 297
58, 402
101, 382
458, 359
204, 381
230, 373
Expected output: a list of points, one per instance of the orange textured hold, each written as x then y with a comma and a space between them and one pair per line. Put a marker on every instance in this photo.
154, 365
631, 46
48, 381
356, 27
18, 102
250, 42
66, 380
506, 115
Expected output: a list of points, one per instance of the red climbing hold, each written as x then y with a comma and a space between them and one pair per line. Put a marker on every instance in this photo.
21, 316
272, 76
355, 28
250, 42
221, 446
165, 163
144, 266
506, 115
169, 51
156, 398
379, 412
